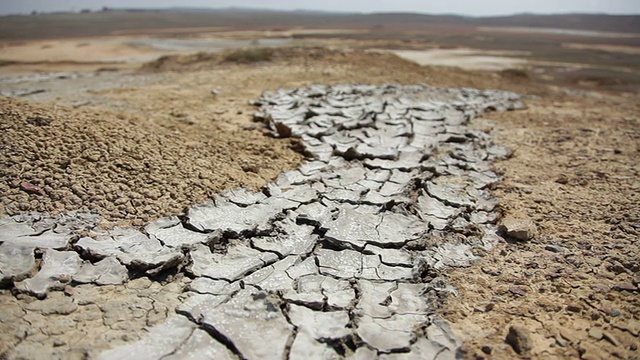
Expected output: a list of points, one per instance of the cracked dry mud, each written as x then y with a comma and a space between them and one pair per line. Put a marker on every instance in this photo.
340, 258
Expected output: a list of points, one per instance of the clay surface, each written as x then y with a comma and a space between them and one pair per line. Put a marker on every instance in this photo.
339, 257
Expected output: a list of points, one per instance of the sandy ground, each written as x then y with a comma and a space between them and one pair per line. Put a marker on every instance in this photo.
132, 47
123, 50
467, 59
554, 31
575, 287
604, 47
171, 143
102, 50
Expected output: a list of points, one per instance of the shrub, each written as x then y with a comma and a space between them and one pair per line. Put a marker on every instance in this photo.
516, 73
249, 56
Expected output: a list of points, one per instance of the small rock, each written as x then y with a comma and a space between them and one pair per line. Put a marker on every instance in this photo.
554, 248
519, 339
283, 130
486, 307
215, 91
519, 229
625, 287
490, 271
59, 343
633, 347
30, 188
574, 308
561, 342
68, 290
487, 349
562, 179
596, 333
616, 267
518, 290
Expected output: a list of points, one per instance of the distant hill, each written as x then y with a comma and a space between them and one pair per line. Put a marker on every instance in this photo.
62, 25
597, 22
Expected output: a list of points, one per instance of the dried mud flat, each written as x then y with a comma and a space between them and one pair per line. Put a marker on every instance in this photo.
570, 291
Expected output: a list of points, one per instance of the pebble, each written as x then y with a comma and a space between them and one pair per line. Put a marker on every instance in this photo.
518, 290
625, 287
519, 229
574, 308
59, 343
596, 333
561, 342
519, 339
554, 248
490, 271
30, 188
484, 307
487, 349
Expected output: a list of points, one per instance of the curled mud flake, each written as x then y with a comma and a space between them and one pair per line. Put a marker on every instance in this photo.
31, 189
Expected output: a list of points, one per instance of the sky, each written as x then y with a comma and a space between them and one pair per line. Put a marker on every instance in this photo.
460, 7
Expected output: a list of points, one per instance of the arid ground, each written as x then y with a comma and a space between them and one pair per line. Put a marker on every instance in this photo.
105, 123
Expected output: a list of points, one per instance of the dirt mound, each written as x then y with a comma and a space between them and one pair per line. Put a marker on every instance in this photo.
355, 66
159, 148
131, 170
204, 60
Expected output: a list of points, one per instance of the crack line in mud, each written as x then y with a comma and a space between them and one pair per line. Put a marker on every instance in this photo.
251, 246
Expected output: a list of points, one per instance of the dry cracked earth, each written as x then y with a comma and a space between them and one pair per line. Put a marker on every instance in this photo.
340, 258
310, 251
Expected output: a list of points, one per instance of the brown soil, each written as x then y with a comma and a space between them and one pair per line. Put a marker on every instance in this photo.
153, 150
81, 50
575, 173
130, 167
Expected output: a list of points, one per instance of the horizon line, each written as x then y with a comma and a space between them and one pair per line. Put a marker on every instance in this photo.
240, 8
